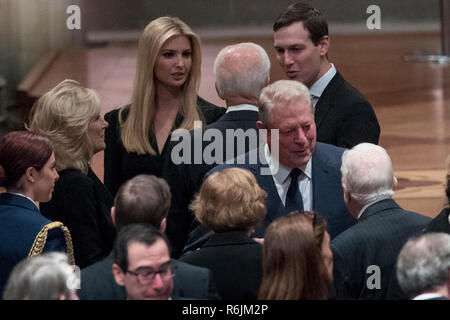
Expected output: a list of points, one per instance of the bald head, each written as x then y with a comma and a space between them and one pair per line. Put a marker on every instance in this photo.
241, 70
367, 173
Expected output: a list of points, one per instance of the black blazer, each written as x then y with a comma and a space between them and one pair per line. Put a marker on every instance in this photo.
83, 204
376, 239
236, 262
121, 165
344, 117
97, 282
440, 223
185, 179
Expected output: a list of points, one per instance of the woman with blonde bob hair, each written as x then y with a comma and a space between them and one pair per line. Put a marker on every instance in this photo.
297, 259
69, 116
164, 99
231, 203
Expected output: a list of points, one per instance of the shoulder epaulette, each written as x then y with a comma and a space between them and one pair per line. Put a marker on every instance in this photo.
41, 239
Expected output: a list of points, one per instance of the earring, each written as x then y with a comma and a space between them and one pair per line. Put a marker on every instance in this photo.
32, 180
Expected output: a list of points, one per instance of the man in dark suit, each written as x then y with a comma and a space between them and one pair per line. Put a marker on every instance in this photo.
365, 254
296, 172
143, 199
343, 116
423, 267
242, 70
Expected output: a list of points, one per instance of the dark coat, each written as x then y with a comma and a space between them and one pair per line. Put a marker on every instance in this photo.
376, 239
236, 262
97, 282
440, 223
185, 179
21, 222
83, 204
344, 117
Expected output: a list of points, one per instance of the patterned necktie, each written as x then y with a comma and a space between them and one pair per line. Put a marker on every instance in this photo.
294, 199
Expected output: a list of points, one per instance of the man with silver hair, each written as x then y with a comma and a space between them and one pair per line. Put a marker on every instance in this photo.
297, 172
365, 254
44, 277
242, 70
423, 267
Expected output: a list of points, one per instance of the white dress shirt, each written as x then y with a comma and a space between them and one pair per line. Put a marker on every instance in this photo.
242, 107
282, 180
319, 86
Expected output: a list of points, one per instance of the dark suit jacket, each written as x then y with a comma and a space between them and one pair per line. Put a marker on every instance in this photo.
185, 179
97, 282
440, 223
121, 165
328, 199
236, 262
21, 221
83, 204
344, 117
376, 239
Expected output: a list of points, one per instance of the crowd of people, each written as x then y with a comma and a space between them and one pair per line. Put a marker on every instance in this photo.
301, 212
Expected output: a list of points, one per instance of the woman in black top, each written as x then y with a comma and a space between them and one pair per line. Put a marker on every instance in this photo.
69, 115
164, 99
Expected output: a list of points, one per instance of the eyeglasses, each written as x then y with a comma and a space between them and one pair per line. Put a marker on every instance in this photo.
146, 276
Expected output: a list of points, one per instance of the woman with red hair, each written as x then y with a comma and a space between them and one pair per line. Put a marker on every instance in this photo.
27, 172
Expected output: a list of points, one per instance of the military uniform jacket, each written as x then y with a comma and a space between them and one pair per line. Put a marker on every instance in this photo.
24, 232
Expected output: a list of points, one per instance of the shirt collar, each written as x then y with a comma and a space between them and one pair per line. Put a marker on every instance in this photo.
242, 107
283, 172
319, 86
427, 296
365, 208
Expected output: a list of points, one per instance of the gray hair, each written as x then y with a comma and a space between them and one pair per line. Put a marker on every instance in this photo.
44, 277
241, 69
367, 173
278, 92
423, 263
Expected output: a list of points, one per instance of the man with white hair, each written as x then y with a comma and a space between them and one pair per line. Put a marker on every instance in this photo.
242, 70
366, 253
296, 171
423, 267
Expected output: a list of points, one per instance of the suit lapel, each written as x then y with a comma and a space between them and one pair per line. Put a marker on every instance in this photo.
325, 102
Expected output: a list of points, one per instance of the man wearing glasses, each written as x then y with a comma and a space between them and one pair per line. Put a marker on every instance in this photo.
142, 263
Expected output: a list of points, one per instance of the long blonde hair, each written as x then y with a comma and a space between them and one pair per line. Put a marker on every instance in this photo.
136, 126
63, 115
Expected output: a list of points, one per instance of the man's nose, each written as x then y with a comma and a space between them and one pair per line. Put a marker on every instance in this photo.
300, 136
158, 282
287, 59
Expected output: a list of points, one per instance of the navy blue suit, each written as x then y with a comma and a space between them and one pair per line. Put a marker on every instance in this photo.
21, 221
328, 200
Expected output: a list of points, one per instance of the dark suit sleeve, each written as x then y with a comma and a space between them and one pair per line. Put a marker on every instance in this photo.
210, 112
358, 125
113, 175
341, 277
